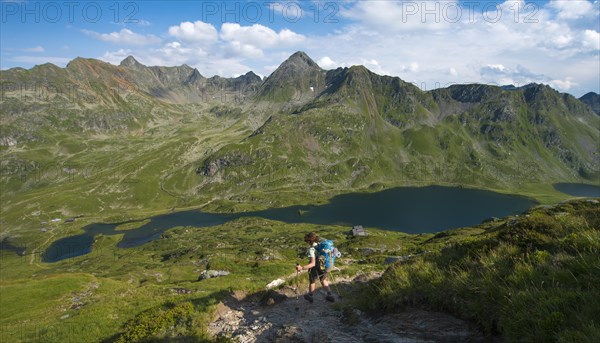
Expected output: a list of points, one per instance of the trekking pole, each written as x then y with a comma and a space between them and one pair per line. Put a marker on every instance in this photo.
297, 286
333, 281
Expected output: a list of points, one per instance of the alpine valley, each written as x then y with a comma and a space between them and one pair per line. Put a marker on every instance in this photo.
99, 143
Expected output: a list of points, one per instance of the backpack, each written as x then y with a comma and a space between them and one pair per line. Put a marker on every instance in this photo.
326, 255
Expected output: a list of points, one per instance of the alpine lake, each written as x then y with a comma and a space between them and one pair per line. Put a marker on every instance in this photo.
407, 209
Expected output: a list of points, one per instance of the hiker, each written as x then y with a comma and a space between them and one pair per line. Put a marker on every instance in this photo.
315, 271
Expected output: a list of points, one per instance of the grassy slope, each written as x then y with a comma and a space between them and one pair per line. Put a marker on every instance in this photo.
144, 174
123, 283
532, 279
530, 276
106, 178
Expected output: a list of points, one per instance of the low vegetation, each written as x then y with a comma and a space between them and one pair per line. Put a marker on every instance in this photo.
531, 279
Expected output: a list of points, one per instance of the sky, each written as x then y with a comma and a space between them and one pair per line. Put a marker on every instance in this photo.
429, 43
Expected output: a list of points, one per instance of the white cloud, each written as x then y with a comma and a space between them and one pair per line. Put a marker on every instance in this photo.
591, 39
115, 57
196, 32
405, 15
236, 48
290, 37
256, 34
519, 76
572, 9
174, 53
501, 75
228, 67
327, 63
563, 85
251, 40
35, 49
38, 48
562, 41
125, 37
498, 67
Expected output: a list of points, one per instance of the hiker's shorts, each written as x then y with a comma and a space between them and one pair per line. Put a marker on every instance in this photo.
314, 274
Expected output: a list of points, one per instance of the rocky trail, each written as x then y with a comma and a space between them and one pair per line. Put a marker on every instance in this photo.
280, 317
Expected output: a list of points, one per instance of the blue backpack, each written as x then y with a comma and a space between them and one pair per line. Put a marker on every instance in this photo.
326, 255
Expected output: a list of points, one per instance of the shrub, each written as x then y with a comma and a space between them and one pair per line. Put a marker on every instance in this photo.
168, 321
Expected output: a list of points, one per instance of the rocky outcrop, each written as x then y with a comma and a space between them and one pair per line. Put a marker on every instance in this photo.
8, 141
213, 165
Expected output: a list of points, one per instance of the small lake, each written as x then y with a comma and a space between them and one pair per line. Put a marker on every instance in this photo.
578, 189
6, 245
407, 209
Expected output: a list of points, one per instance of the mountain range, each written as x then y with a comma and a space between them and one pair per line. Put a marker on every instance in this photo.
94, 157
592, 100
302, 126
354, 125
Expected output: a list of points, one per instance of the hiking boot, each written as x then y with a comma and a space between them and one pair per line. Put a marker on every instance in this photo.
330, 297
309, 298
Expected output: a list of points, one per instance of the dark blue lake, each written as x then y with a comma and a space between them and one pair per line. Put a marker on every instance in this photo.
406, 209
578, 189
6, 245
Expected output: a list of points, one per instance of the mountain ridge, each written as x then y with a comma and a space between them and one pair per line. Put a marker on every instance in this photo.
356, 115
295, 60
592, 100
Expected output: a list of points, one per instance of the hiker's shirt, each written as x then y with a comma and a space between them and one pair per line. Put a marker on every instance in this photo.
312, 253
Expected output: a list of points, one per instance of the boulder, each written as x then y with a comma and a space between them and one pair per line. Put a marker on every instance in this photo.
209, 274
275, 283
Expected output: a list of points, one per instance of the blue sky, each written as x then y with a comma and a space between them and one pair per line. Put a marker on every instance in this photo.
430, 43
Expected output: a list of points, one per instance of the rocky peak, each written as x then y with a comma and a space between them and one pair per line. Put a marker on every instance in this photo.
249, 77
131, 62
299, 61
195, 76
592, 100
187, 68
295, 78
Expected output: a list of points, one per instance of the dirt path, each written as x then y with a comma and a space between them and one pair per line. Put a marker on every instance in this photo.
275, 319
34, 252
